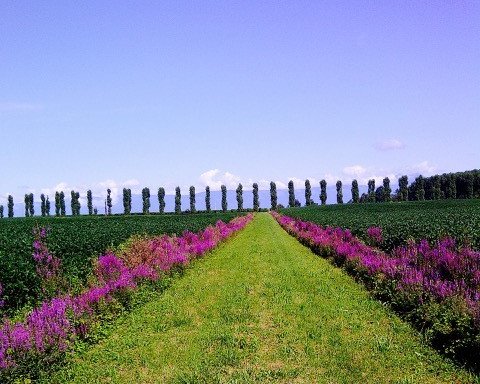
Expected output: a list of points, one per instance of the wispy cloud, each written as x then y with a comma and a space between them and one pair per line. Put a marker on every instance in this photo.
389, 145
19, 107
424, 168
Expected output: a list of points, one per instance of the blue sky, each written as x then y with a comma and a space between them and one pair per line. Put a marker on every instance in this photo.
104, 94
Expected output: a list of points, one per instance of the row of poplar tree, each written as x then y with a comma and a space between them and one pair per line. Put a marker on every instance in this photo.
460, 185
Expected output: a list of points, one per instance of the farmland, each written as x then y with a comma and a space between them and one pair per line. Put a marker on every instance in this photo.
430, 220
76, 241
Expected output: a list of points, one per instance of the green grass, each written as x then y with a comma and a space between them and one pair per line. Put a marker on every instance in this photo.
261, 309
400, 222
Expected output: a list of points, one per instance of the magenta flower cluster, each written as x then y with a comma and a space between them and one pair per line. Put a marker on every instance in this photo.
47, 265
414, 278
51, 328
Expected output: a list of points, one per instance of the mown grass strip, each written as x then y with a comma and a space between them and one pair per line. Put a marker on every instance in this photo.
262, 308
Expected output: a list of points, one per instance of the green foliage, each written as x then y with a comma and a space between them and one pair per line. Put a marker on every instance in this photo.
430, 220
323, 192
109, 202
207, 199
339, 192
27, 205
43, 205
127, 206
161, 200
75, 203
89, 202
77, 241
387, 191
146, 200
192, 199
47, 206
371, 191
10, 205
239, 192
273, 195
403, 188
291, 194
178, 201
419, 186
355, 193
62, 204
1, 211
308, 193
224, 198
256, 203
57, 203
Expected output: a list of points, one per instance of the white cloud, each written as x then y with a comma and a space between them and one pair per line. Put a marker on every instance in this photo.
215, 178
389, 145
354, 170
424, 168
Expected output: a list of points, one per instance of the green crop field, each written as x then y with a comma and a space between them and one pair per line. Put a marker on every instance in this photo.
400, 222
76, 241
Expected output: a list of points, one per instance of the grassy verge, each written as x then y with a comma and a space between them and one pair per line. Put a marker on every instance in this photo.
262, 308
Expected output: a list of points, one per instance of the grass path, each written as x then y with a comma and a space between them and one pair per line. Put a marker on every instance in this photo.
261, 308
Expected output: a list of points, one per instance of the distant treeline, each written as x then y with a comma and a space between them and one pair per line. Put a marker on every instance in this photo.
458, 185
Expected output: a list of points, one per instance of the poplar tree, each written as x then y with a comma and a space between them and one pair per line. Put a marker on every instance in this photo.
1, 211
355, 193
403, 188
43, 208
207, 198
256, 203
339, 192
31, 206
62, 203
291, 194
178, 200
420, 188
451, 187
161, 200
240, 197
387, 191
47, 206
224, 198
437, 191
146, 200
73, 204
108, 202
308, 193
57, 203
371, 191
323, 192
273, 195
27, 205
192, 199
126, 211
89, 202
10, 206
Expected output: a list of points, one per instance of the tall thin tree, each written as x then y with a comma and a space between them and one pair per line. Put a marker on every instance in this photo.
273, 195
403, 188
224, 198
308, 193
239, 192
291, 194
27, 205
43, 208
57, 203
256, 203
89, 202
146, 200
178, 200
355, 193
192, 199
339, 192
10, 205
323, 192
47, 206
161, 200
387, 191
371, 191
109, 201
1, 211
207, 199
62, 204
